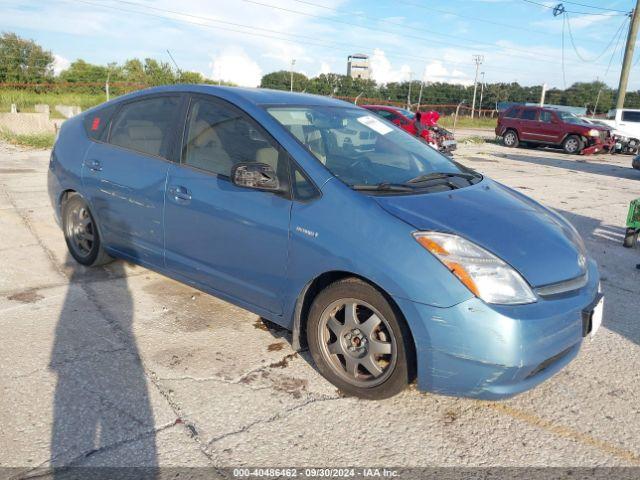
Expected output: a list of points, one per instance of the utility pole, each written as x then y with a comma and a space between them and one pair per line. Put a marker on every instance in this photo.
424, 74
628, 55
106, 85
478, 59
481, 94
543, 94
409, 94
293, 62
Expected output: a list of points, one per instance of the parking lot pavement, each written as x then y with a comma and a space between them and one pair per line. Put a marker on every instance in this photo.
121, 366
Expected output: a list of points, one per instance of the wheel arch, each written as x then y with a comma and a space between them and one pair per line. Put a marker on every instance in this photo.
319, 283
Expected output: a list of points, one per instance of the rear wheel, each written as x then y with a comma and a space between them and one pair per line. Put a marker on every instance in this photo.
631, 237
358, 340
510, 139
81, 233
572, 144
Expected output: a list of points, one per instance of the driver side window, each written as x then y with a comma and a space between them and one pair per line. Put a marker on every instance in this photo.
218, 137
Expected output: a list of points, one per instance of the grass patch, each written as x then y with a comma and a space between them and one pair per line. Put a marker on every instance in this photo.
473, 139
35, 140
467, 122
26, 100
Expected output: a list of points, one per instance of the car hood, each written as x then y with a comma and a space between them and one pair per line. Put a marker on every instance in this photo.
535, 240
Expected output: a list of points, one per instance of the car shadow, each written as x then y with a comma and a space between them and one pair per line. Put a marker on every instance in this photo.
101, 400
620, 277
578, 163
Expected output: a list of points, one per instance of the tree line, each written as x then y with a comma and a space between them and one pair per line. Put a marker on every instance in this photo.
26, 64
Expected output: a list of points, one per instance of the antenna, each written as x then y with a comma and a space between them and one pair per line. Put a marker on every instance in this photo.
174, 62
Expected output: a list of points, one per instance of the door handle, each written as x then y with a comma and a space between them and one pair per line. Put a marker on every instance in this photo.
180, 194
94, 165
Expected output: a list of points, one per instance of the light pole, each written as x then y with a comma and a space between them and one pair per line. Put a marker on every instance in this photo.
481, 95
293, 62
478, 59
424, 74
409, 94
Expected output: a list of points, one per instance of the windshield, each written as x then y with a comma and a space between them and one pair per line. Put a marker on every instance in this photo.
406, 113
363, 150
569, 117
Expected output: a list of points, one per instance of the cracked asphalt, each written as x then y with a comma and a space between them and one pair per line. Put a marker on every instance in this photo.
119, 366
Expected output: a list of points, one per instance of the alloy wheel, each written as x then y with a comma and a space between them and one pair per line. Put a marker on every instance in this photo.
80, 230
357, 342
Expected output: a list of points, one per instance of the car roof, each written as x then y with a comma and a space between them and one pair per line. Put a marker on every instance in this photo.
257, 96
384, 107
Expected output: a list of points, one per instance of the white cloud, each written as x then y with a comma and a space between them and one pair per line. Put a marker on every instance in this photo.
59, 64
324, 68
437, 72
383, 72
236, 66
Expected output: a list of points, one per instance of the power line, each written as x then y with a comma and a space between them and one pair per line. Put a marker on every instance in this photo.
535, 58
624, 21
596, 7
573, 11
252, 31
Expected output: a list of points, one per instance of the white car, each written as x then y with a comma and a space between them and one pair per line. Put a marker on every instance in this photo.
625, 125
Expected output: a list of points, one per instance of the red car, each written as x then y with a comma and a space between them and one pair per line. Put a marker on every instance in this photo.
438, 137
521, 124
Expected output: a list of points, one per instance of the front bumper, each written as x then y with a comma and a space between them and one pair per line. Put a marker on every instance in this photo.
491, 352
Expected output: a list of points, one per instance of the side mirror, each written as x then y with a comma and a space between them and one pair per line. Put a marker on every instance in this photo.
259, 176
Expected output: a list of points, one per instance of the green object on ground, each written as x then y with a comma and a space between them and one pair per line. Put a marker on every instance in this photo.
633, 224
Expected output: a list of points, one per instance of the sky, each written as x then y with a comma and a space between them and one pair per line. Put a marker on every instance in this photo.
433, 40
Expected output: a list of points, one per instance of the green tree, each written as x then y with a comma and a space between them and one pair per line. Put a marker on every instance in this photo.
23, 60
281, 80
81, 71
190, 77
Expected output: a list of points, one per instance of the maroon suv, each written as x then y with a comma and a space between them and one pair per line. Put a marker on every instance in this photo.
552, 127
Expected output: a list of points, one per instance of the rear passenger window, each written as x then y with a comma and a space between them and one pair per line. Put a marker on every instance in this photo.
146, 126
218, 137
528, 114
628, 116
545, 116
96, 123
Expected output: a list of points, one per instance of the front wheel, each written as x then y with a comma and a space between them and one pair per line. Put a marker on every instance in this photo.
359, 342
81, 233
572, 144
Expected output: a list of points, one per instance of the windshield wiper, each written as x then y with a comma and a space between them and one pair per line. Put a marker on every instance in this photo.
382, 187
442, 176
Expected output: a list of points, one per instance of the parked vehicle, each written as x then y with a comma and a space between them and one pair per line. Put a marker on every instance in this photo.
551, 127
389, 261
627, 122
439, 138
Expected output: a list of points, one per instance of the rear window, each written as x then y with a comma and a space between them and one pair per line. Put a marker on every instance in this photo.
512, 112
630, 116
96, 124
146, 126
528, 114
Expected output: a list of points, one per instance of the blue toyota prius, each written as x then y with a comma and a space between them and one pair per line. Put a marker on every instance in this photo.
388, 259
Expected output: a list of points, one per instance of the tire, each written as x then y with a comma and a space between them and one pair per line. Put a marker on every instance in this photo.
573, 145
631, 238
510, 139
635, 163
81, 233
342, 345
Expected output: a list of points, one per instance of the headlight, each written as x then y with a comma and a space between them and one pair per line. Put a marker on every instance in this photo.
487, 276
594, 133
